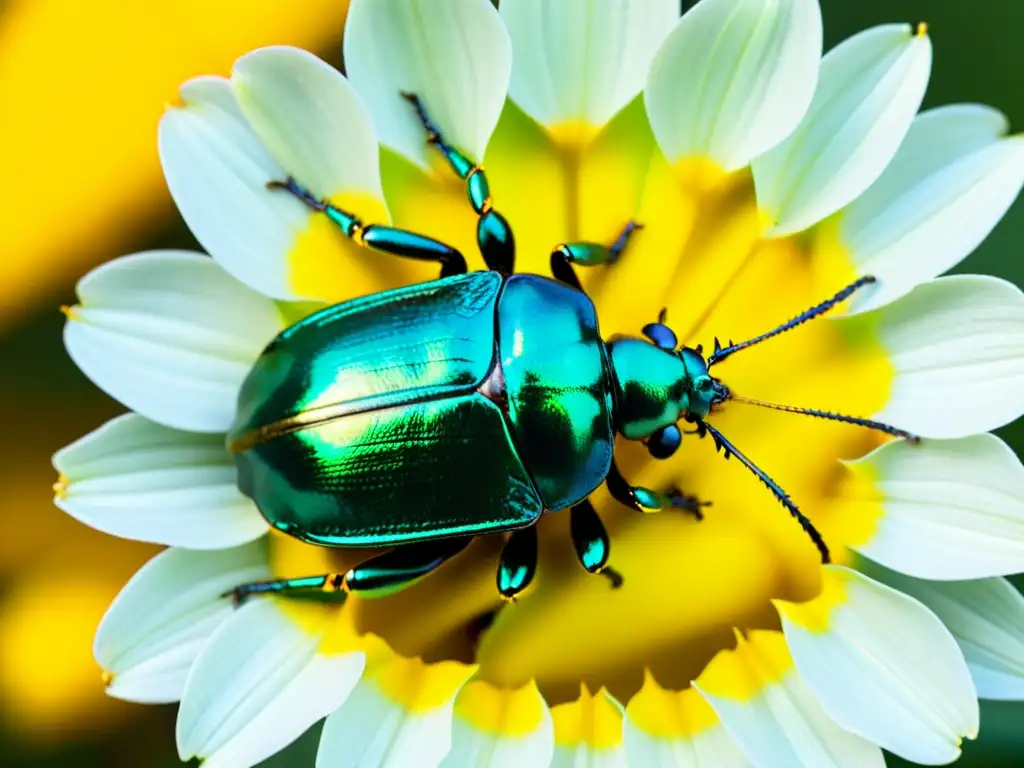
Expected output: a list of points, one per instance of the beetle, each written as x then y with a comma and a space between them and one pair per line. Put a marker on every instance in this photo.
422, 417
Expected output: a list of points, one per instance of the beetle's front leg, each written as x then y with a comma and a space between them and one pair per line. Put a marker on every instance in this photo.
588, 254
380, 576
397, 242
493, 232
646, 500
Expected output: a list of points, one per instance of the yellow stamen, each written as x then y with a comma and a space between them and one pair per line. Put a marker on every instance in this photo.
60, 488
922, 29
68, 311
106, 678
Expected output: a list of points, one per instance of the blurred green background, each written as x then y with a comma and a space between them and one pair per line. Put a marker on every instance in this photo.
82, 86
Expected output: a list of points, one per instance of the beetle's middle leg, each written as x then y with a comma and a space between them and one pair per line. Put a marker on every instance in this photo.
588, 254
590, 539
493, 232
382, 575
397, 242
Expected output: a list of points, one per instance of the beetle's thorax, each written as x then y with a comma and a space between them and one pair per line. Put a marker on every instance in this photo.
651, 387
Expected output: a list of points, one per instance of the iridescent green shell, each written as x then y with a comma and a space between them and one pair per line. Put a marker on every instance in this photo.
456, 407
362, 424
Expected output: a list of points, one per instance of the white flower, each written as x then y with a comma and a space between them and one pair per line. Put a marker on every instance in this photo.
764, 182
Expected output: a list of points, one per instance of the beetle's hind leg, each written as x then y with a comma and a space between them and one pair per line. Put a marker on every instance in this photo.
493, 232
397, 242
518, 562
588, 254
380, 576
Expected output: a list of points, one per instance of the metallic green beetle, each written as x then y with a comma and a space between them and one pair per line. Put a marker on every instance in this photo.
421, 417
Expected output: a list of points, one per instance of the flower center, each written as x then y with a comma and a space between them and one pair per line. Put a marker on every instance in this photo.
687, 583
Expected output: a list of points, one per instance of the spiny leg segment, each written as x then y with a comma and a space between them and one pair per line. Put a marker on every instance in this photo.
493, 232
398, 242
728, 449
720, 352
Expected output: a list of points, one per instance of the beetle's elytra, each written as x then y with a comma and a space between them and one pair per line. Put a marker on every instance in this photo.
427, 415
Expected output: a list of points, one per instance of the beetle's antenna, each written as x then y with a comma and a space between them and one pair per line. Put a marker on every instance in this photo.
721, 352
728, 449
875, 425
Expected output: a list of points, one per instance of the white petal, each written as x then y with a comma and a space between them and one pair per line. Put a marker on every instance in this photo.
883, 666
951, 181
588, 732
869, 90
676, 728
260, 682
498, 728
756, 62
399, 715
217, 171
139, 480
311, 120
454, 54
945, 509
581, 61
157, 625
170, 335
986, 618
957, 347
771, 714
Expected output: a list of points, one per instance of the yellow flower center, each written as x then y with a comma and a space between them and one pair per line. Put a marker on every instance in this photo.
701, 255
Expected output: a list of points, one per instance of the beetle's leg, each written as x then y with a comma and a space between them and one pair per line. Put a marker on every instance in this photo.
380, 576
493, 232
330, 583
402, 567
397, 242
591, 541
518, 563
588, 254
646, 500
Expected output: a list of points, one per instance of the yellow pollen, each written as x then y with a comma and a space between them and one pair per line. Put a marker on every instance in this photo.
106, 678
922, 29
60, 488
68, 311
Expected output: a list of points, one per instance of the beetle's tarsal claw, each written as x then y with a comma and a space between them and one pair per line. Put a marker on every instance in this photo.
613, 576
688, 502
293, 187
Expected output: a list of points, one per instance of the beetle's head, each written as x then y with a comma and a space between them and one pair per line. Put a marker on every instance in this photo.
702, 389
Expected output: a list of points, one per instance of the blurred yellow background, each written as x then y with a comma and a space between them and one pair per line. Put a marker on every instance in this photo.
82, 86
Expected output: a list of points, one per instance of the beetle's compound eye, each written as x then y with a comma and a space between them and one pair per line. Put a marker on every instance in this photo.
664, 442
